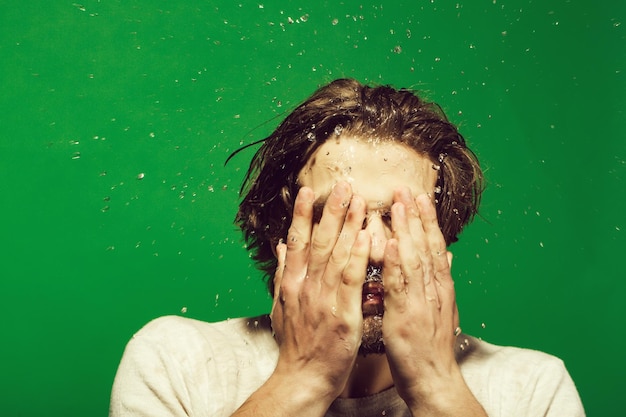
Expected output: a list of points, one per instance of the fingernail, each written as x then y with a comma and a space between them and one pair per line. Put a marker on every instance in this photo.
305, 194
423, 199
342, 191
401, 210
340, 188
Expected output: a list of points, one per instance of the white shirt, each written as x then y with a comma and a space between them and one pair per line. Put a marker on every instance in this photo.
176, 366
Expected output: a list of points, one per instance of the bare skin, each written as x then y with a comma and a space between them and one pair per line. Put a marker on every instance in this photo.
318, 315
317, 307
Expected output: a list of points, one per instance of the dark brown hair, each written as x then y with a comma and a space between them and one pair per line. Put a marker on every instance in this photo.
348, 107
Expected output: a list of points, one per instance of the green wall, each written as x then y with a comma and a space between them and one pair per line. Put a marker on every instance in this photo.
117, 116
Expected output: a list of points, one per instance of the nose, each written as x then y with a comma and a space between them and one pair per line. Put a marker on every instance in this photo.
379, 231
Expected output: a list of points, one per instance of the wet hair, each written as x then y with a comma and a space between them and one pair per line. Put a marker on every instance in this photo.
347, 107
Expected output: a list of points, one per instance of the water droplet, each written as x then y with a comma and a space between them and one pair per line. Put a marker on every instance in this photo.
105, 209
183, 310
437, 189
140, 176
397, 49
483, 325
211, 189
76, 155
335, 22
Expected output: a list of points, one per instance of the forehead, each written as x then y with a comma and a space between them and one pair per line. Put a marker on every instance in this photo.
374, 168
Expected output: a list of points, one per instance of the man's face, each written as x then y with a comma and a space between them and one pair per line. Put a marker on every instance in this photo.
374, 169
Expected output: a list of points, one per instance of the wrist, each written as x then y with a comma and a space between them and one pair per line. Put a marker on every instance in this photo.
300, 393
443, 397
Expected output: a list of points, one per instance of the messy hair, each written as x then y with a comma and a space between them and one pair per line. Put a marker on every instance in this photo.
347, 107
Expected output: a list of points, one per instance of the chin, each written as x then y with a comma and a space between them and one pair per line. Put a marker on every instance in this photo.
372, 339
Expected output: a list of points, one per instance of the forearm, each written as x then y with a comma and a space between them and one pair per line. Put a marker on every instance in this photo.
286, 396
445, 399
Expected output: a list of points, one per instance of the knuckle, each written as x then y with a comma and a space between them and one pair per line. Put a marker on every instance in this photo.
320, 244
287, 290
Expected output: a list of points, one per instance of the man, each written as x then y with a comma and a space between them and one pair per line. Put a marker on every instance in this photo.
349, 208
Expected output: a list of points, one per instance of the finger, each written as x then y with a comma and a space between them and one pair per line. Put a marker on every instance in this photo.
281, 252
276, 315
454, 307
298, 245
439, 254
441, 260
394, 280
299, 233
342, 251
456, 322
327, 231
411, 263
349, 295
436, 241
416, 229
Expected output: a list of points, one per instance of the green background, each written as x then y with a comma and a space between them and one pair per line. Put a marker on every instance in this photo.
117, 116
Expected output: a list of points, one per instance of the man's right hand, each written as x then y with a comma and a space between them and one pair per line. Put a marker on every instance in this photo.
316, 316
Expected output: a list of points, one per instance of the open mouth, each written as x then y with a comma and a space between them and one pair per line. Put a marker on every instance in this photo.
373, 291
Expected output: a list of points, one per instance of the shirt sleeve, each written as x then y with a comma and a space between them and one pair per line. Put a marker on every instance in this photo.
551, 392
179, 367
150, 379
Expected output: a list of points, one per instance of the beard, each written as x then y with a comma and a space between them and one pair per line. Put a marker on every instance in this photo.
372, 338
